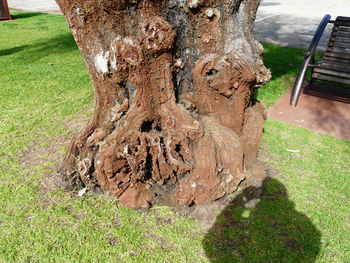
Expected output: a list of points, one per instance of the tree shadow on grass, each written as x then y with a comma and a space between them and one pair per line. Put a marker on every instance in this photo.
9, 51
262, 227
284, 63
283, 60
59, 44
25, 15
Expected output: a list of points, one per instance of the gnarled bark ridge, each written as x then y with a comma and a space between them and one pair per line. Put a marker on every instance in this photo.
174, 122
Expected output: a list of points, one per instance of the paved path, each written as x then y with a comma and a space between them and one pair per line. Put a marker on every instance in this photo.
47, 6
293, 22
316, 114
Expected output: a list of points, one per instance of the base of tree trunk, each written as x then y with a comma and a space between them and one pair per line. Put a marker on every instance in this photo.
174, 122
198, 164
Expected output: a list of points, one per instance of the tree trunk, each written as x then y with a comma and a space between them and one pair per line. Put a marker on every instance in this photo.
174, 122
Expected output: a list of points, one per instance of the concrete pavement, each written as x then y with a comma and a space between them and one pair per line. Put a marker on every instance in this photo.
45, 6
282, 22
293, 22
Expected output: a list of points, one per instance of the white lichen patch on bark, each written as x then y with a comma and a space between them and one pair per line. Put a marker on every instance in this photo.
129, 41
194, 3
101, 62
209, 12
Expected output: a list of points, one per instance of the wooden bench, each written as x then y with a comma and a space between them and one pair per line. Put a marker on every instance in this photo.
330, 77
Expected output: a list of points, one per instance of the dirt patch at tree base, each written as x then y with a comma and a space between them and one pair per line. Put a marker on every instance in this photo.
50, 152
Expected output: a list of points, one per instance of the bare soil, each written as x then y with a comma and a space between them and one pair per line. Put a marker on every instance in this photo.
48, 153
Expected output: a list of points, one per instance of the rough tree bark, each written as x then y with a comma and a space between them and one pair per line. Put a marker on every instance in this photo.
174, 122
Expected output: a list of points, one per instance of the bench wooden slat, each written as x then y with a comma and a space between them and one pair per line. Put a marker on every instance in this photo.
331, 67
337, 55
341, 28
339, 44
339, 40
336, 61
344, 51
332, 71
330, 78
347, 24
341, 34
343, 21
343, 18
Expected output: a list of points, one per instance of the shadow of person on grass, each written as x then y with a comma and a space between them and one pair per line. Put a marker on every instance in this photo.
262, 225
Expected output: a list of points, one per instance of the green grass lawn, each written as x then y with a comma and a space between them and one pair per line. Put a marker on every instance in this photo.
301, 216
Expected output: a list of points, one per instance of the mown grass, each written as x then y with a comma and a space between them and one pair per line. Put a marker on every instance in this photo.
302, 215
